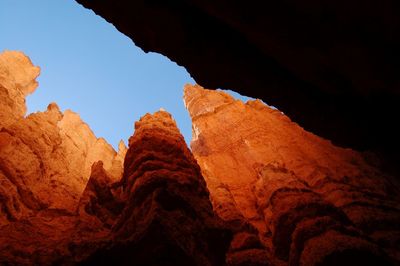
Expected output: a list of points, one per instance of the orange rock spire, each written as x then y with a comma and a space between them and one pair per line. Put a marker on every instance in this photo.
307, 198
256, 189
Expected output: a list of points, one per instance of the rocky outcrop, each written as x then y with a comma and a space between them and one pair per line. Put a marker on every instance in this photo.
17, 80
58, 149
311, 202
64, 199
167, 217
45, 163
259, 190
100, 199
55, 237
331, 67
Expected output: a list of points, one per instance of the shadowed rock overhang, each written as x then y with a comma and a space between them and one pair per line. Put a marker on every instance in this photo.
331, 67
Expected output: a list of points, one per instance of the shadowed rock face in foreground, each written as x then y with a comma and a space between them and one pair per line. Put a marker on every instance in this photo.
332, 67
167, 217
256, 189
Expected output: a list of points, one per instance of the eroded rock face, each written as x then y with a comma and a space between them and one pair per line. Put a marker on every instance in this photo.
45, 163
263, 191
17, 80
64, 199
46, 157
311, 202
167, 217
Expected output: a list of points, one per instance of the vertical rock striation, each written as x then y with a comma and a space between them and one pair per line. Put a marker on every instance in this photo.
311, 202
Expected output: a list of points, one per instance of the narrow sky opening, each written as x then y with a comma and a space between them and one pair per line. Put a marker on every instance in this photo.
91, 68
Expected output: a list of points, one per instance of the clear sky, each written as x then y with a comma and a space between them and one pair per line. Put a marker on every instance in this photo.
91, 68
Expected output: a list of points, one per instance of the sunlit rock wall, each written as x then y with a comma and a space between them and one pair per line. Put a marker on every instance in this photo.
310, 201
45, 163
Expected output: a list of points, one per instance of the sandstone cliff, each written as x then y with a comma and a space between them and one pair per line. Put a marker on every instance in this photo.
17, 80
310, 201
64, 199
46, 157
45, 163
259, 189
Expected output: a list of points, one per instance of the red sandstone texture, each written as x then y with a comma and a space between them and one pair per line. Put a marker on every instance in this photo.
45, 163
259, 190
63, 200
311, 202
167, 218
46, 157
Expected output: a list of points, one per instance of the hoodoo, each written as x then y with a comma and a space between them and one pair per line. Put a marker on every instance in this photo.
255, 188
167, 218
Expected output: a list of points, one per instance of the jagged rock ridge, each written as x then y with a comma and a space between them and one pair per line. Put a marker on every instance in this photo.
259, 190
45, 163
310, 201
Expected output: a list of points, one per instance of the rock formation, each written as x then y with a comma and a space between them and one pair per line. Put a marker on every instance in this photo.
311, 202
64, 199
17, 80
58, 149
45, 163
167, 217
331, 67
256, 189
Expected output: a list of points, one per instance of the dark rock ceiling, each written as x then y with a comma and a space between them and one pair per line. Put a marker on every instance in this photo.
333, 67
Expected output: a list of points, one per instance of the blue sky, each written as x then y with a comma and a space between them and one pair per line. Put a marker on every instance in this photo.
91, 68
